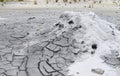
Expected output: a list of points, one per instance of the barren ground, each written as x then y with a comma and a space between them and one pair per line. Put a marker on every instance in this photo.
20, 28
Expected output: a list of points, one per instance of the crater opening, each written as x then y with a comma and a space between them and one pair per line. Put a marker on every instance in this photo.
71, 22
59, 25
94, 46
82, 42
80, 26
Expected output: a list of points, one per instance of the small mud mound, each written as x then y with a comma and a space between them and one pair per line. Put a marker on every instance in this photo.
75, 36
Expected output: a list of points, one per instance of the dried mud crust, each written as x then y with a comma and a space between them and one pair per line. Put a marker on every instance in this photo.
48, 57
46, 53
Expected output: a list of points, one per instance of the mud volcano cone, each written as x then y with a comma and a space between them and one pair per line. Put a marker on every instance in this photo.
82, 42
78, 44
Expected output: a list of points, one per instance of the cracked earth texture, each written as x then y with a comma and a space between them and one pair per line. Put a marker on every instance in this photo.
32, 52
27, 50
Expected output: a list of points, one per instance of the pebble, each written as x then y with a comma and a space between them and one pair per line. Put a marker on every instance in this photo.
98, 71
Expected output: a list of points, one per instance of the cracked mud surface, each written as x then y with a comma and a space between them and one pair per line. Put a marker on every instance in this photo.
23, 53
26, 50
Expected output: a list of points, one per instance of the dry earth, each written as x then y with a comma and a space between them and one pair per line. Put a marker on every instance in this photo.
21, 33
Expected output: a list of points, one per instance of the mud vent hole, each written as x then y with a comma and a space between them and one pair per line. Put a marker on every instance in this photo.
94, 46
71, 22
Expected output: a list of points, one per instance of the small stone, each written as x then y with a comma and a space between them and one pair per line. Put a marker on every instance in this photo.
98, 71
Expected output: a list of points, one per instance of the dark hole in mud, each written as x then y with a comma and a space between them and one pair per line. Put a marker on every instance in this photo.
72, 61
80, 26
113, 33
71, 22
75, 53
92, 52
94, 46
82, 42
59, 25
28, 33
76, 28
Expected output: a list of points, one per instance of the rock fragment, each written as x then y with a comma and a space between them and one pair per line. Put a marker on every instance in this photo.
98, 71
